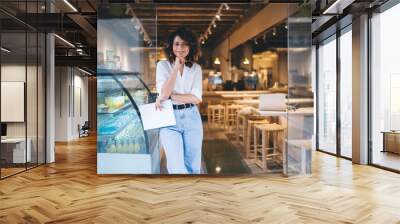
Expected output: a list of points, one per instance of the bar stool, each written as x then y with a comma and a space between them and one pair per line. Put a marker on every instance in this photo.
249, 142
216, 115
262, 149
231, 113
241, 122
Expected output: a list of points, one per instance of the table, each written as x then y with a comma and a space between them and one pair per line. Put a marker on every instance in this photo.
304, 111
299, 122
16, 147
299, 131
256, 102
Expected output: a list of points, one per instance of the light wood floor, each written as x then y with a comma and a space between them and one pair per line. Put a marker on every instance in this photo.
70, 191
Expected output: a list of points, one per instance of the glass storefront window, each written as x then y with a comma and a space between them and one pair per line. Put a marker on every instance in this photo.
385, 89
22, 90
327, 96
346, 93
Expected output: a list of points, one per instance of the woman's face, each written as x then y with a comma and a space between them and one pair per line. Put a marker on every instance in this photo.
180, 47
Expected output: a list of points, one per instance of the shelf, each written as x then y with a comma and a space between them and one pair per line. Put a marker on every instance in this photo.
104, 71
116, 111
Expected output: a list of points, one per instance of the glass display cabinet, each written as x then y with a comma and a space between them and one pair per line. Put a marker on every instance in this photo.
122, 145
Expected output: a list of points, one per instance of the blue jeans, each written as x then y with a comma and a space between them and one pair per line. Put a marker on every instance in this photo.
182, 142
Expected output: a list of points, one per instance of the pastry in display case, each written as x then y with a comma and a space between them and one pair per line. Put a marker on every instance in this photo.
120, 132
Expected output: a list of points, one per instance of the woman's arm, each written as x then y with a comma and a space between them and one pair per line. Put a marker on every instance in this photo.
166, 86
185, 98
169, 84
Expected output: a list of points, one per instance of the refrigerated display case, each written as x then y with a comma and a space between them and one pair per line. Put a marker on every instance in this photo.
122, 144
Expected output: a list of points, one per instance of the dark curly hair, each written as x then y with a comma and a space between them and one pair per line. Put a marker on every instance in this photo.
188, 36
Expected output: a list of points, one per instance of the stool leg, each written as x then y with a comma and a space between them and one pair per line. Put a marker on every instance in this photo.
248, 137
255, 143
263, 151
237, 129
208, 115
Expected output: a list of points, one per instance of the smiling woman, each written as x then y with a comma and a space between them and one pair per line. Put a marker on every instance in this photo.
180, 79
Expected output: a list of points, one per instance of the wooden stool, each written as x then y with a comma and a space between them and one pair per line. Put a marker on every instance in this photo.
216, 114
249, 143
262, 149
241, 123
231, 113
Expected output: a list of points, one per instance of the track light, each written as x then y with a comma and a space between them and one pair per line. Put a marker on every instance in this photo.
84, 71
226, 6
218, 16
70, 5
5, 50
64, 40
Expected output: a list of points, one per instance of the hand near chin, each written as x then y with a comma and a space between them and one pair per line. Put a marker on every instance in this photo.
179, 62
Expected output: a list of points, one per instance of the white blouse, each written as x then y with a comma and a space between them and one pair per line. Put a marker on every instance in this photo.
189, 83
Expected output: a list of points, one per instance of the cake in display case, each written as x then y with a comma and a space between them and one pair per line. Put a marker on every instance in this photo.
123, 146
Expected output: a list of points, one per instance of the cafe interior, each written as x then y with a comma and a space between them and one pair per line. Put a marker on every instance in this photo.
257, 106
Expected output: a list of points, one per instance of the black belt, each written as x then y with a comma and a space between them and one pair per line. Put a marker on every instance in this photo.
182, 106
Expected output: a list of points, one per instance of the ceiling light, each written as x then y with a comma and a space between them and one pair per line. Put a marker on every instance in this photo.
64, 40
86, 72
209, 31
285, 26
5, 50
338, 6
274, 31
217, 61
70, 5
255, 41
203, 42
214, 25
218, 16
246, 61
226, 6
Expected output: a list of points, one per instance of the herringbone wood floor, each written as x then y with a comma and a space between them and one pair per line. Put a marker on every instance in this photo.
70, 191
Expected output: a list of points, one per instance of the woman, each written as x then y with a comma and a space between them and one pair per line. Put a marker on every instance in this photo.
180, 79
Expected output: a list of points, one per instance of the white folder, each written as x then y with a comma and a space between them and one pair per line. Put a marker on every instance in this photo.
153, 118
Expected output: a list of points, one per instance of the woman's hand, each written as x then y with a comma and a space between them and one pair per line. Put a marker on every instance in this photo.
179, 63
158, 104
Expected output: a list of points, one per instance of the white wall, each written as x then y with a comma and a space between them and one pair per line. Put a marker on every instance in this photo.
70, 83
